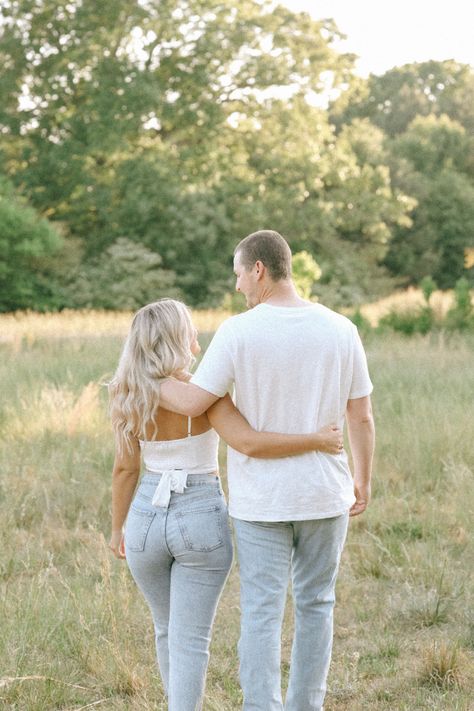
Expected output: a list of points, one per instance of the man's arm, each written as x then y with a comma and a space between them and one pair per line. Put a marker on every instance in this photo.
185, 398
213, 378
361, 430
234, 429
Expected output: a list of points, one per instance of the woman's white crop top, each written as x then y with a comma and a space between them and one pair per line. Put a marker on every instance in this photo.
196, 454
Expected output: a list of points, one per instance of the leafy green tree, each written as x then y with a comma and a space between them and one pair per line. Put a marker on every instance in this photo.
306, 272
126, 276
27, 243
161, 121
430, 161
427, 111
443, 227
83, 82
435, 143
118, 118
394, 99
319, 190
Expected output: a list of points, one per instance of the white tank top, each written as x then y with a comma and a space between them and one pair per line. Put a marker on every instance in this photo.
196, 454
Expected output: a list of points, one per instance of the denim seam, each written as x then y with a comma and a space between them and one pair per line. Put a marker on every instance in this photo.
164, 537
139, 547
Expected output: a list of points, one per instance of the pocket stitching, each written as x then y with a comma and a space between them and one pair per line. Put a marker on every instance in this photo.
185, 534
139, 546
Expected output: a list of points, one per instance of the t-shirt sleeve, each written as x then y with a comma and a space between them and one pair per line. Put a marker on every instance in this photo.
215, 372
361, 384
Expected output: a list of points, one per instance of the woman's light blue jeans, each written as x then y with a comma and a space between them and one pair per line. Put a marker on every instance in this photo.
180, 557
268, 554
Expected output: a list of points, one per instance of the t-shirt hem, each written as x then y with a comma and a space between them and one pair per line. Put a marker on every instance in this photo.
358, 394
205, 386
274, 518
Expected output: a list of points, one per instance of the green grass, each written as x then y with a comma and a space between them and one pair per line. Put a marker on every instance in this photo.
75, 633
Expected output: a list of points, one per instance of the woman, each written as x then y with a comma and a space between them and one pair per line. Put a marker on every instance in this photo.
177, 540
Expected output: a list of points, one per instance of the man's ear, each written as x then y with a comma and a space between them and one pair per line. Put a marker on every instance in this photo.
260, 269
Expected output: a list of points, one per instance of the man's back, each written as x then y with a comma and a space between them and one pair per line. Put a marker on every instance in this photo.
294, 368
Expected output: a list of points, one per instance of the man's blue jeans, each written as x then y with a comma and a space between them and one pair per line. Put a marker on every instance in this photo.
268, 553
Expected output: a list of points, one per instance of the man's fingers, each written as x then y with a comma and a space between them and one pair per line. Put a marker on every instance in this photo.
357, 508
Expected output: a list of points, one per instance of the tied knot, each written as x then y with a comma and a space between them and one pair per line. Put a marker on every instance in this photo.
171, 480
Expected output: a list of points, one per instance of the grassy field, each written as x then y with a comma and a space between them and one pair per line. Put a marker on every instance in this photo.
75, 632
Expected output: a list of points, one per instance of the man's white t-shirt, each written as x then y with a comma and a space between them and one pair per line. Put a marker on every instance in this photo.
293, 371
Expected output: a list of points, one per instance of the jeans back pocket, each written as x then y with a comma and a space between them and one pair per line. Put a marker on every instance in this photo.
136, 529
201, 528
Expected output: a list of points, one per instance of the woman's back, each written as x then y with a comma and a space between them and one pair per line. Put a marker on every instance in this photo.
169, 425
177, 442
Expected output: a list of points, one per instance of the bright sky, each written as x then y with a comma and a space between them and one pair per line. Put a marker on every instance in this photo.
386, 34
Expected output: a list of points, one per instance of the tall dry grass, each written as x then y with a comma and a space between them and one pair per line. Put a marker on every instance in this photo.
408, 300
75, 632
26, 327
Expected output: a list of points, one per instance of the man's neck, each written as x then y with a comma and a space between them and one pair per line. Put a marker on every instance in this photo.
282, 293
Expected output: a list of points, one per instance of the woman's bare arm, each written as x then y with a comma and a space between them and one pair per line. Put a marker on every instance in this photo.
124, 481
234, 429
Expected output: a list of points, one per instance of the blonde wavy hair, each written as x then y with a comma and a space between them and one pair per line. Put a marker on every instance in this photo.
158, 346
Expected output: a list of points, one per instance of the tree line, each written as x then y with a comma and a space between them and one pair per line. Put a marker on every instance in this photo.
141, 139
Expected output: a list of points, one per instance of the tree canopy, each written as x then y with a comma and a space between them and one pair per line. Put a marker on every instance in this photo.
26, 242
170, 129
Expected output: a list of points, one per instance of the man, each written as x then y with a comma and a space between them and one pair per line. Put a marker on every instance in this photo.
295, 366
